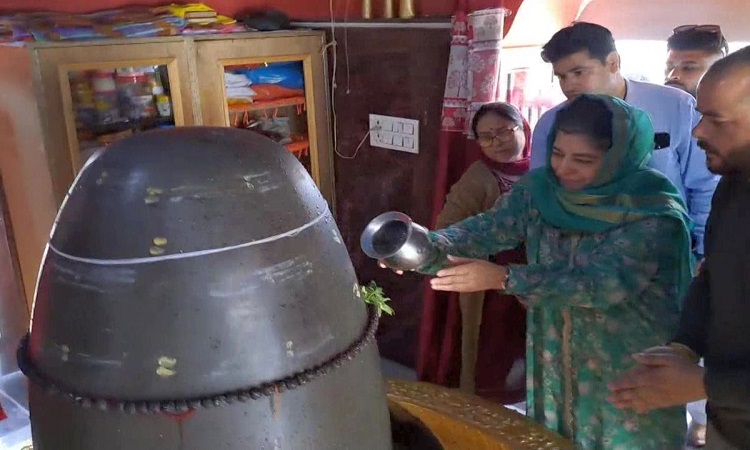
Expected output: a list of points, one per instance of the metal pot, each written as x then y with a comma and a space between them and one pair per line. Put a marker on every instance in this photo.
399, 243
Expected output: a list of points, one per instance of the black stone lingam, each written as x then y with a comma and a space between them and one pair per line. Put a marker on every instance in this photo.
196, 294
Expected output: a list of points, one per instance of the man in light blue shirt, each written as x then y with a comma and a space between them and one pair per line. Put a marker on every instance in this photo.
585, 60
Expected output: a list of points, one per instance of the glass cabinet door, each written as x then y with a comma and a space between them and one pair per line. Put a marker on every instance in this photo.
269, 98
274, 84
99, 92
111, 103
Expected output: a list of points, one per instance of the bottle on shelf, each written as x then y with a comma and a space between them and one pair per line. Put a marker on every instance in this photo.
135, 87
163, 106
105, 96
83, 99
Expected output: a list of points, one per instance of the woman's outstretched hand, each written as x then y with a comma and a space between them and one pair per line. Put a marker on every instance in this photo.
470, 275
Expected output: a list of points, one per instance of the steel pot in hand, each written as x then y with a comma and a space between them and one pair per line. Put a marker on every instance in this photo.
394, 239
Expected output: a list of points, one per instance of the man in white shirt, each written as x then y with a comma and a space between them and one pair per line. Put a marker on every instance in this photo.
585, 60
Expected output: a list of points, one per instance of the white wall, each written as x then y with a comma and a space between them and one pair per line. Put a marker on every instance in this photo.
646, 58
649, 20
655, 19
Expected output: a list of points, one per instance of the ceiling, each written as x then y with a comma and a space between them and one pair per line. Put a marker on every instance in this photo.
537, 20
655, 19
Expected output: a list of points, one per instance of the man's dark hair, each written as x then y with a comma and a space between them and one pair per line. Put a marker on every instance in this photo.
581, 36
733, 61
589, 116
704, 38
502, 109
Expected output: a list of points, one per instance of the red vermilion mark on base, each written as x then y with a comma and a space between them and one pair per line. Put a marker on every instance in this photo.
181, 417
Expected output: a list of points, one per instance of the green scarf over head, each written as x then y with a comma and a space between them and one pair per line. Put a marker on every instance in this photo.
624, 191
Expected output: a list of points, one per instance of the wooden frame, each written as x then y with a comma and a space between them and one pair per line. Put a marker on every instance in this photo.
25, 166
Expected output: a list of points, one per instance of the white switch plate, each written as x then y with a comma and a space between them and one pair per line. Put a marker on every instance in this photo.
394, 133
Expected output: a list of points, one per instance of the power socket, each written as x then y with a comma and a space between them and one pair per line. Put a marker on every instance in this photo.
394, 133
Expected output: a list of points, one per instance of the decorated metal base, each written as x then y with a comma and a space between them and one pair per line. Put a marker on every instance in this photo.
429, 417
426, 416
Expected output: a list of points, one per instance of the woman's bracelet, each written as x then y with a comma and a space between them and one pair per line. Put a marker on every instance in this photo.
504, 281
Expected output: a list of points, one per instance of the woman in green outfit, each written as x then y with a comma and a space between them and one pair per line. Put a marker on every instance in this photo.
608, 248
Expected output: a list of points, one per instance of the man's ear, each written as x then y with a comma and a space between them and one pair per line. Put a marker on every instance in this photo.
613, 62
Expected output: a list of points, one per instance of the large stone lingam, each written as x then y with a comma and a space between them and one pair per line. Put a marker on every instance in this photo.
196, 295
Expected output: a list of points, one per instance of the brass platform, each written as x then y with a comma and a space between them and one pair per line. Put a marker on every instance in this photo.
468, 422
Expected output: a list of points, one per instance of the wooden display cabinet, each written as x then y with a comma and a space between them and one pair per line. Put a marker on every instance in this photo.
57, 105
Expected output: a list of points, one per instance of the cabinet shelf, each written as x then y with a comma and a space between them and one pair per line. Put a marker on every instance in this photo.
299, 147
124, 125
267, 104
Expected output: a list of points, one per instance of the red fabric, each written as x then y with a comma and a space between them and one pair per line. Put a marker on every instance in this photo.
502, 334
439, 345
502, 341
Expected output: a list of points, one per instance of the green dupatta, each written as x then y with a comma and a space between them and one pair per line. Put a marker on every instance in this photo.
624, 191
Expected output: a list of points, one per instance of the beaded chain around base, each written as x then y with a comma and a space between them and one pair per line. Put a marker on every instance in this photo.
182, 406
